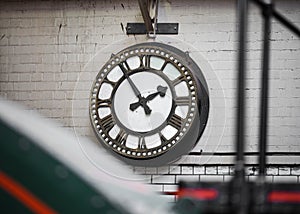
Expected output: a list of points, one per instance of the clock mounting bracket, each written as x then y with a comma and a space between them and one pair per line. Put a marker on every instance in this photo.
149, 10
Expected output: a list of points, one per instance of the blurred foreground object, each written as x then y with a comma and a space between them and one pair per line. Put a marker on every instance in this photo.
43, 170
214, 197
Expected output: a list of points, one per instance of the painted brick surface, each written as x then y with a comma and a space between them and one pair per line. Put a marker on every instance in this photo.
45, 48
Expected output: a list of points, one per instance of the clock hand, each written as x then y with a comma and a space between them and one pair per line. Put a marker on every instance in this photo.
142, 102
136, 91
160, 91
133, 86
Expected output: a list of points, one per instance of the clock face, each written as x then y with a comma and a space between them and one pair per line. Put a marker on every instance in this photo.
147, 104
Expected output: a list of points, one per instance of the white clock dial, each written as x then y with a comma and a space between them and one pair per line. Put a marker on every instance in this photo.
137, 120
148, 105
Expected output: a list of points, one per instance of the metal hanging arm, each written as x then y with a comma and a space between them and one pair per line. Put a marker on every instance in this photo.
153, 11
145, 6
149, 10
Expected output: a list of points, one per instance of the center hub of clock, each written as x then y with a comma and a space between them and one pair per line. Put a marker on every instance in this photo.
155, 95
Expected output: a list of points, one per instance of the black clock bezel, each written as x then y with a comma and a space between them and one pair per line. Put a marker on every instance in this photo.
187, 141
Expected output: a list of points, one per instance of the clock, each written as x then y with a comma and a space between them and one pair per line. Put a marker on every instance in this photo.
149, 104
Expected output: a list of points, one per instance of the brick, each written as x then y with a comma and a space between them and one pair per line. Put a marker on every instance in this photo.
175, 169
46, 86
139, 170
36, 77
186, 170
284, 171
24, 96
44, 95
59, 95
4, 77
163, 179
67, 86
199, 170
223, 170
170, 188
211, 178
24, 86
295, 171
72, 76
211, 170
25, 77
269, 179
14, 77
60, 76
163, 170
47, 77
272, 171
187, 178
151, 170
286, 179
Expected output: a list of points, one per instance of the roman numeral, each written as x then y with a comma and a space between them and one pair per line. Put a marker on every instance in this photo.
146, 61
182, 101
122, 137
162, 138
124, 67
178, 80
103, 103
175, 121
108, 122
142, 143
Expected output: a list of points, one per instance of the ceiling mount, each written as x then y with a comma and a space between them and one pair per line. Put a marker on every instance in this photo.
149, 10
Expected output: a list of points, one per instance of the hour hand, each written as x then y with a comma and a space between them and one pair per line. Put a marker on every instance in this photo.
134, 106
142, 102
147, 109
161, 91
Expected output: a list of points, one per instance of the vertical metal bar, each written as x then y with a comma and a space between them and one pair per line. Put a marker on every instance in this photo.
240, 124
267, 13
240, 193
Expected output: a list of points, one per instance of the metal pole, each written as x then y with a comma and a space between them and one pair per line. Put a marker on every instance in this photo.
267, 13
240, 195
242, 16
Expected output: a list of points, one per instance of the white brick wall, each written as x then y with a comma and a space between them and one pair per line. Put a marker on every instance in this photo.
50, 52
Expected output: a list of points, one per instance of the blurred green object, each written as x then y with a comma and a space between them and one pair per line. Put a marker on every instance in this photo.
48, 181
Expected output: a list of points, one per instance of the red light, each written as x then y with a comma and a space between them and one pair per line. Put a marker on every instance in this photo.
284, 197
202, 194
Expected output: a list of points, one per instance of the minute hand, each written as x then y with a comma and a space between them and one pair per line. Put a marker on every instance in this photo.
136, 91
133, 86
